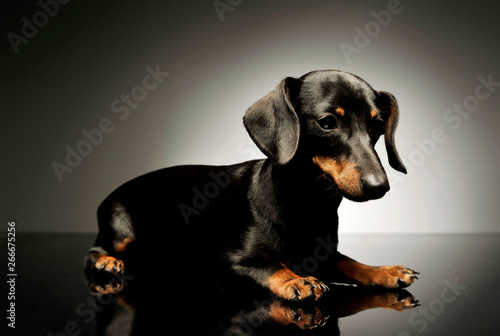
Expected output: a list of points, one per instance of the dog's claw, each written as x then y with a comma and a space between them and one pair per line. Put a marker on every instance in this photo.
296, 316
297, 292
402, 284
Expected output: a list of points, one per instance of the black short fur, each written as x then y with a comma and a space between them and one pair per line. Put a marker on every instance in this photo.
254, 218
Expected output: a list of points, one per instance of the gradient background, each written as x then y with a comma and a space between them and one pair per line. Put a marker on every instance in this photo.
65, 79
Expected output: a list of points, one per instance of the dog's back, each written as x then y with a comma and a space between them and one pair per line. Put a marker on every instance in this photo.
272, 221
176, 215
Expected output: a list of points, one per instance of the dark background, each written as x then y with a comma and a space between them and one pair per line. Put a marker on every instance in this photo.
66, 78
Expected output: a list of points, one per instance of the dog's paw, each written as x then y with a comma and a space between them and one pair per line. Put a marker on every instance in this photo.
110, 264
100, 283
290, 286
399, 300
105, 276
299, 289
114, 286
390, 277
308, 318
303, 317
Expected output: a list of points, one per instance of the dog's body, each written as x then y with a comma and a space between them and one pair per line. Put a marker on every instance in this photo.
273, 221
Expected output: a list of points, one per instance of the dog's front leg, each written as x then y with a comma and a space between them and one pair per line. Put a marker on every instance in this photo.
283, 282
380, 276
290, 286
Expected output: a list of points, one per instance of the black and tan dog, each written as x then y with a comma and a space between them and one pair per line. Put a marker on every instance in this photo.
263, 219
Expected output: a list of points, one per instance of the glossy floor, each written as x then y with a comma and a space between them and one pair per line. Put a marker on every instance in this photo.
457, 291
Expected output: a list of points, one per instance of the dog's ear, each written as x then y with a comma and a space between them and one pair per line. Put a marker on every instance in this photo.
388, 105
273, 123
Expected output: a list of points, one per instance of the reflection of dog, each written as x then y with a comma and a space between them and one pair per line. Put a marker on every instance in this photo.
144, 307
262, 216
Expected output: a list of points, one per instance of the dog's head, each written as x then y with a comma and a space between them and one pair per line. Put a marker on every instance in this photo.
331, 119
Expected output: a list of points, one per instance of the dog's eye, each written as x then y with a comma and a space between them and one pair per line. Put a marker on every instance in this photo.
328, 123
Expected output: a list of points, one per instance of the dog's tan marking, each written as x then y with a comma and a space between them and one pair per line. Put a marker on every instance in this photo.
122, 246
390, 121
278, 282
343, 172
109, 264
382, 276
109, 289
384, 299
290, 286
340, 111
373, 113
284, 315
280, 313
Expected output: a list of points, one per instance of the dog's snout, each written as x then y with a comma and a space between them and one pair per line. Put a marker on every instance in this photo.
374, 185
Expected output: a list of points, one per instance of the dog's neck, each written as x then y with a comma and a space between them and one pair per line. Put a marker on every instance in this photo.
298, 184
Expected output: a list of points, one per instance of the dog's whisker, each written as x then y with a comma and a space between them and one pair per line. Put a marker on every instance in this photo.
334, 194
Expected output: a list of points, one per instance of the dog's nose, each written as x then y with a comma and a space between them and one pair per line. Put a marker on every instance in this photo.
374, 186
